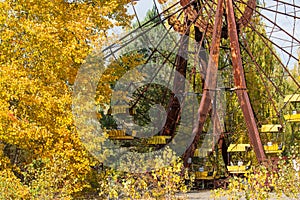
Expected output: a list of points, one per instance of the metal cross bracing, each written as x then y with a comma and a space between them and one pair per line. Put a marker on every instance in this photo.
208, 22
239, 78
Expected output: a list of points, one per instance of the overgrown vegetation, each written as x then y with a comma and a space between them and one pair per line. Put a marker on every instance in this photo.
43, 44
272, 179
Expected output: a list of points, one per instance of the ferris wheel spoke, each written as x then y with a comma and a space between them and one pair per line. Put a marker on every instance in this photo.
289, 4
144, 28
280, 13
275, 24
262, 74
259, 68
267, 40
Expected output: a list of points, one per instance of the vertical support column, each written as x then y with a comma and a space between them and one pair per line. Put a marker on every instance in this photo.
210, 82
240, 84
179, 83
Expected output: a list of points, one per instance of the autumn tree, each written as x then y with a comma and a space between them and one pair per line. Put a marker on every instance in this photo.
43, 43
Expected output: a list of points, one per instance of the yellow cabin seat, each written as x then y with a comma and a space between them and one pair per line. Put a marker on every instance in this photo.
159, 139
119, 135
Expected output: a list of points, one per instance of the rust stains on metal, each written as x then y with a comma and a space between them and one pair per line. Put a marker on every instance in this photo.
245, 19
183, 3
173, 115
210, 82
240, 83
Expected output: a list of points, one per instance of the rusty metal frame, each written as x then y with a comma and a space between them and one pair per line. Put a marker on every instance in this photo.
239, 77
240, 84
210, 82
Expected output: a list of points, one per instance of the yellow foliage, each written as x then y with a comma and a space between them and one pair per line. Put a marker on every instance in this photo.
162, 183
43, 43
281, 179
11, 187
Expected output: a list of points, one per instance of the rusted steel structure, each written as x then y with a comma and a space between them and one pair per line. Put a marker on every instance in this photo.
239, 78
240, 83
222, 23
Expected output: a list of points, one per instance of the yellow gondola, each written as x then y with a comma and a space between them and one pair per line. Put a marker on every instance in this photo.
241, 166
272, 147
205, 170
159, 139
119, 135
206, 175
203, 152
294, 116
121, 109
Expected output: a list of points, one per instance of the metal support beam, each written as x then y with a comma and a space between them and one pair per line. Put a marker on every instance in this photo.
210, 82
173, 115
240, 83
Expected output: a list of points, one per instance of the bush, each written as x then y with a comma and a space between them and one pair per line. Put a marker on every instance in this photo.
279, 177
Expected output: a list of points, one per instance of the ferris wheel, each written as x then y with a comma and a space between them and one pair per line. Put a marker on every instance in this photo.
210, 47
